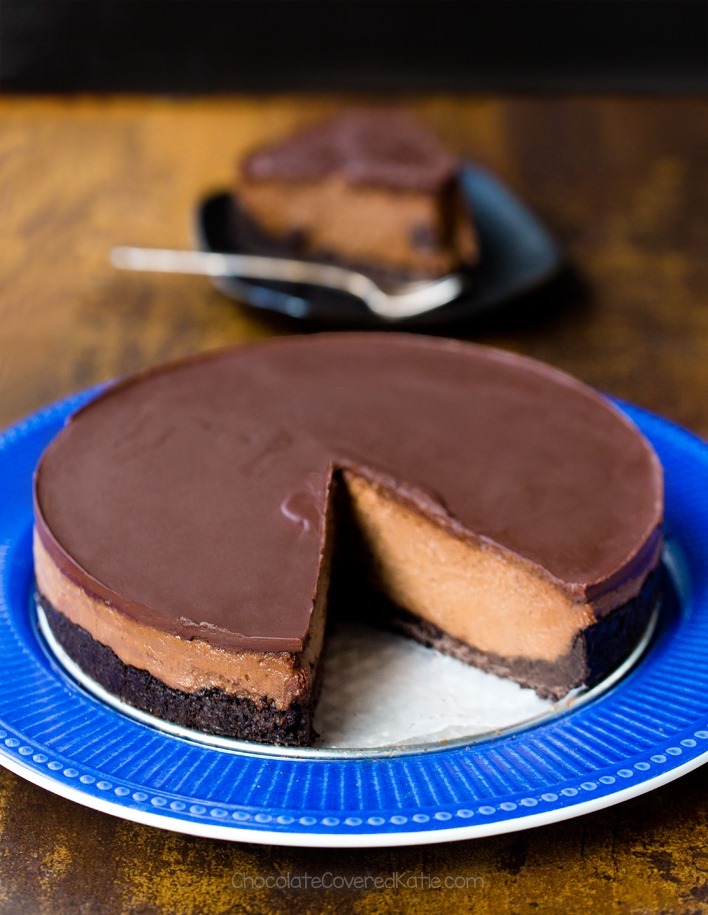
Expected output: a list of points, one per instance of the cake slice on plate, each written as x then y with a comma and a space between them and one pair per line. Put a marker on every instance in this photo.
370, 189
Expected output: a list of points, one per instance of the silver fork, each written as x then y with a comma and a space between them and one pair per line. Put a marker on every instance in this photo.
405, 300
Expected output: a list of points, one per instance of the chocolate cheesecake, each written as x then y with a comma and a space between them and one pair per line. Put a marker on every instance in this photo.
195, 524
370, 189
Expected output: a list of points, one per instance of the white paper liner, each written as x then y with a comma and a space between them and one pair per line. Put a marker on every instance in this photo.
380, 689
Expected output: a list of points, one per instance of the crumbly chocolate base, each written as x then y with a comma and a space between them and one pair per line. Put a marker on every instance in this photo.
211, 711
595, 653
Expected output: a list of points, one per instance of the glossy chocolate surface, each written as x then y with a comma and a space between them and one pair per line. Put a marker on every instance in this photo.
192, 497
386, 148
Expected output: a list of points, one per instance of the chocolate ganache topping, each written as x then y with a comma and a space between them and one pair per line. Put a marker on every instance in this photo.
193, 497
375, 147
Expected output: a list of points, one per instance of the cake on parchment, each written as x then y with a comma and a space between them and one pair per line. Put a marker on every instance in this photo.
190, 520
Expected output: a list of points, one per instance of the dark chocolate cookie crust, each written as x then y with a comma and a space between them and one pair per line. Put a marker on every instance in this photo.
211, 711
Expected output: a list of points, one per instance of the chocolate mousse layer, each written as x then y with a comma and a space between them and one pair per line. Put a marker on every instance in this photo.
368, 188
491, 496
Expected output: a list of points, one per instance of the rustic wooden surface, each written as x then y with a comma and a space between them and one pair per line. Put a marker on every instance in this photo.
623, 183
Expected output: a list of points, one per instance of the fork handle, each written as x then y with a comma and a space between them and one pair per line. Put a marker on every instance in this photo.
246, 266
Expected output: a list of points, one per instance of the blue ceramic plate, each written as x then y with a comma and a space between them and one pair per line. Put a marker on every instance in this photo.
517, 256
647, 729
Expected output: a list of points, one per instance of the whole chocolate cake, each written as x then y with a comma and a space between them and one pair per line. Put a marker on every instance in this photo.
370, 189
190, 522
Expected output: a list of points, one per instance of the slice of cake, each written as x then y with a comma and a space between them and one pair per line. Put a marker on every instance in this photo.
194, 524
369, 189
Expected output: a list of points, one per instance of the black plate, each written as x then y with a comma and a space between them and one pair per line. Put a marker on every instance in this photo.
517, 255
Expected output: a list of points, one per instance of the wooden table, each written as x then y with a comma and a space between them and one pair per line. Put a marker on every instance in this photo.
623, 183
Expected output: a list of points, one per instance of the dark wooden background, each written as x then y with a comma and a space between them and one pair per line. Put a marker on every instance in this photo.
623, 184
190, 46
